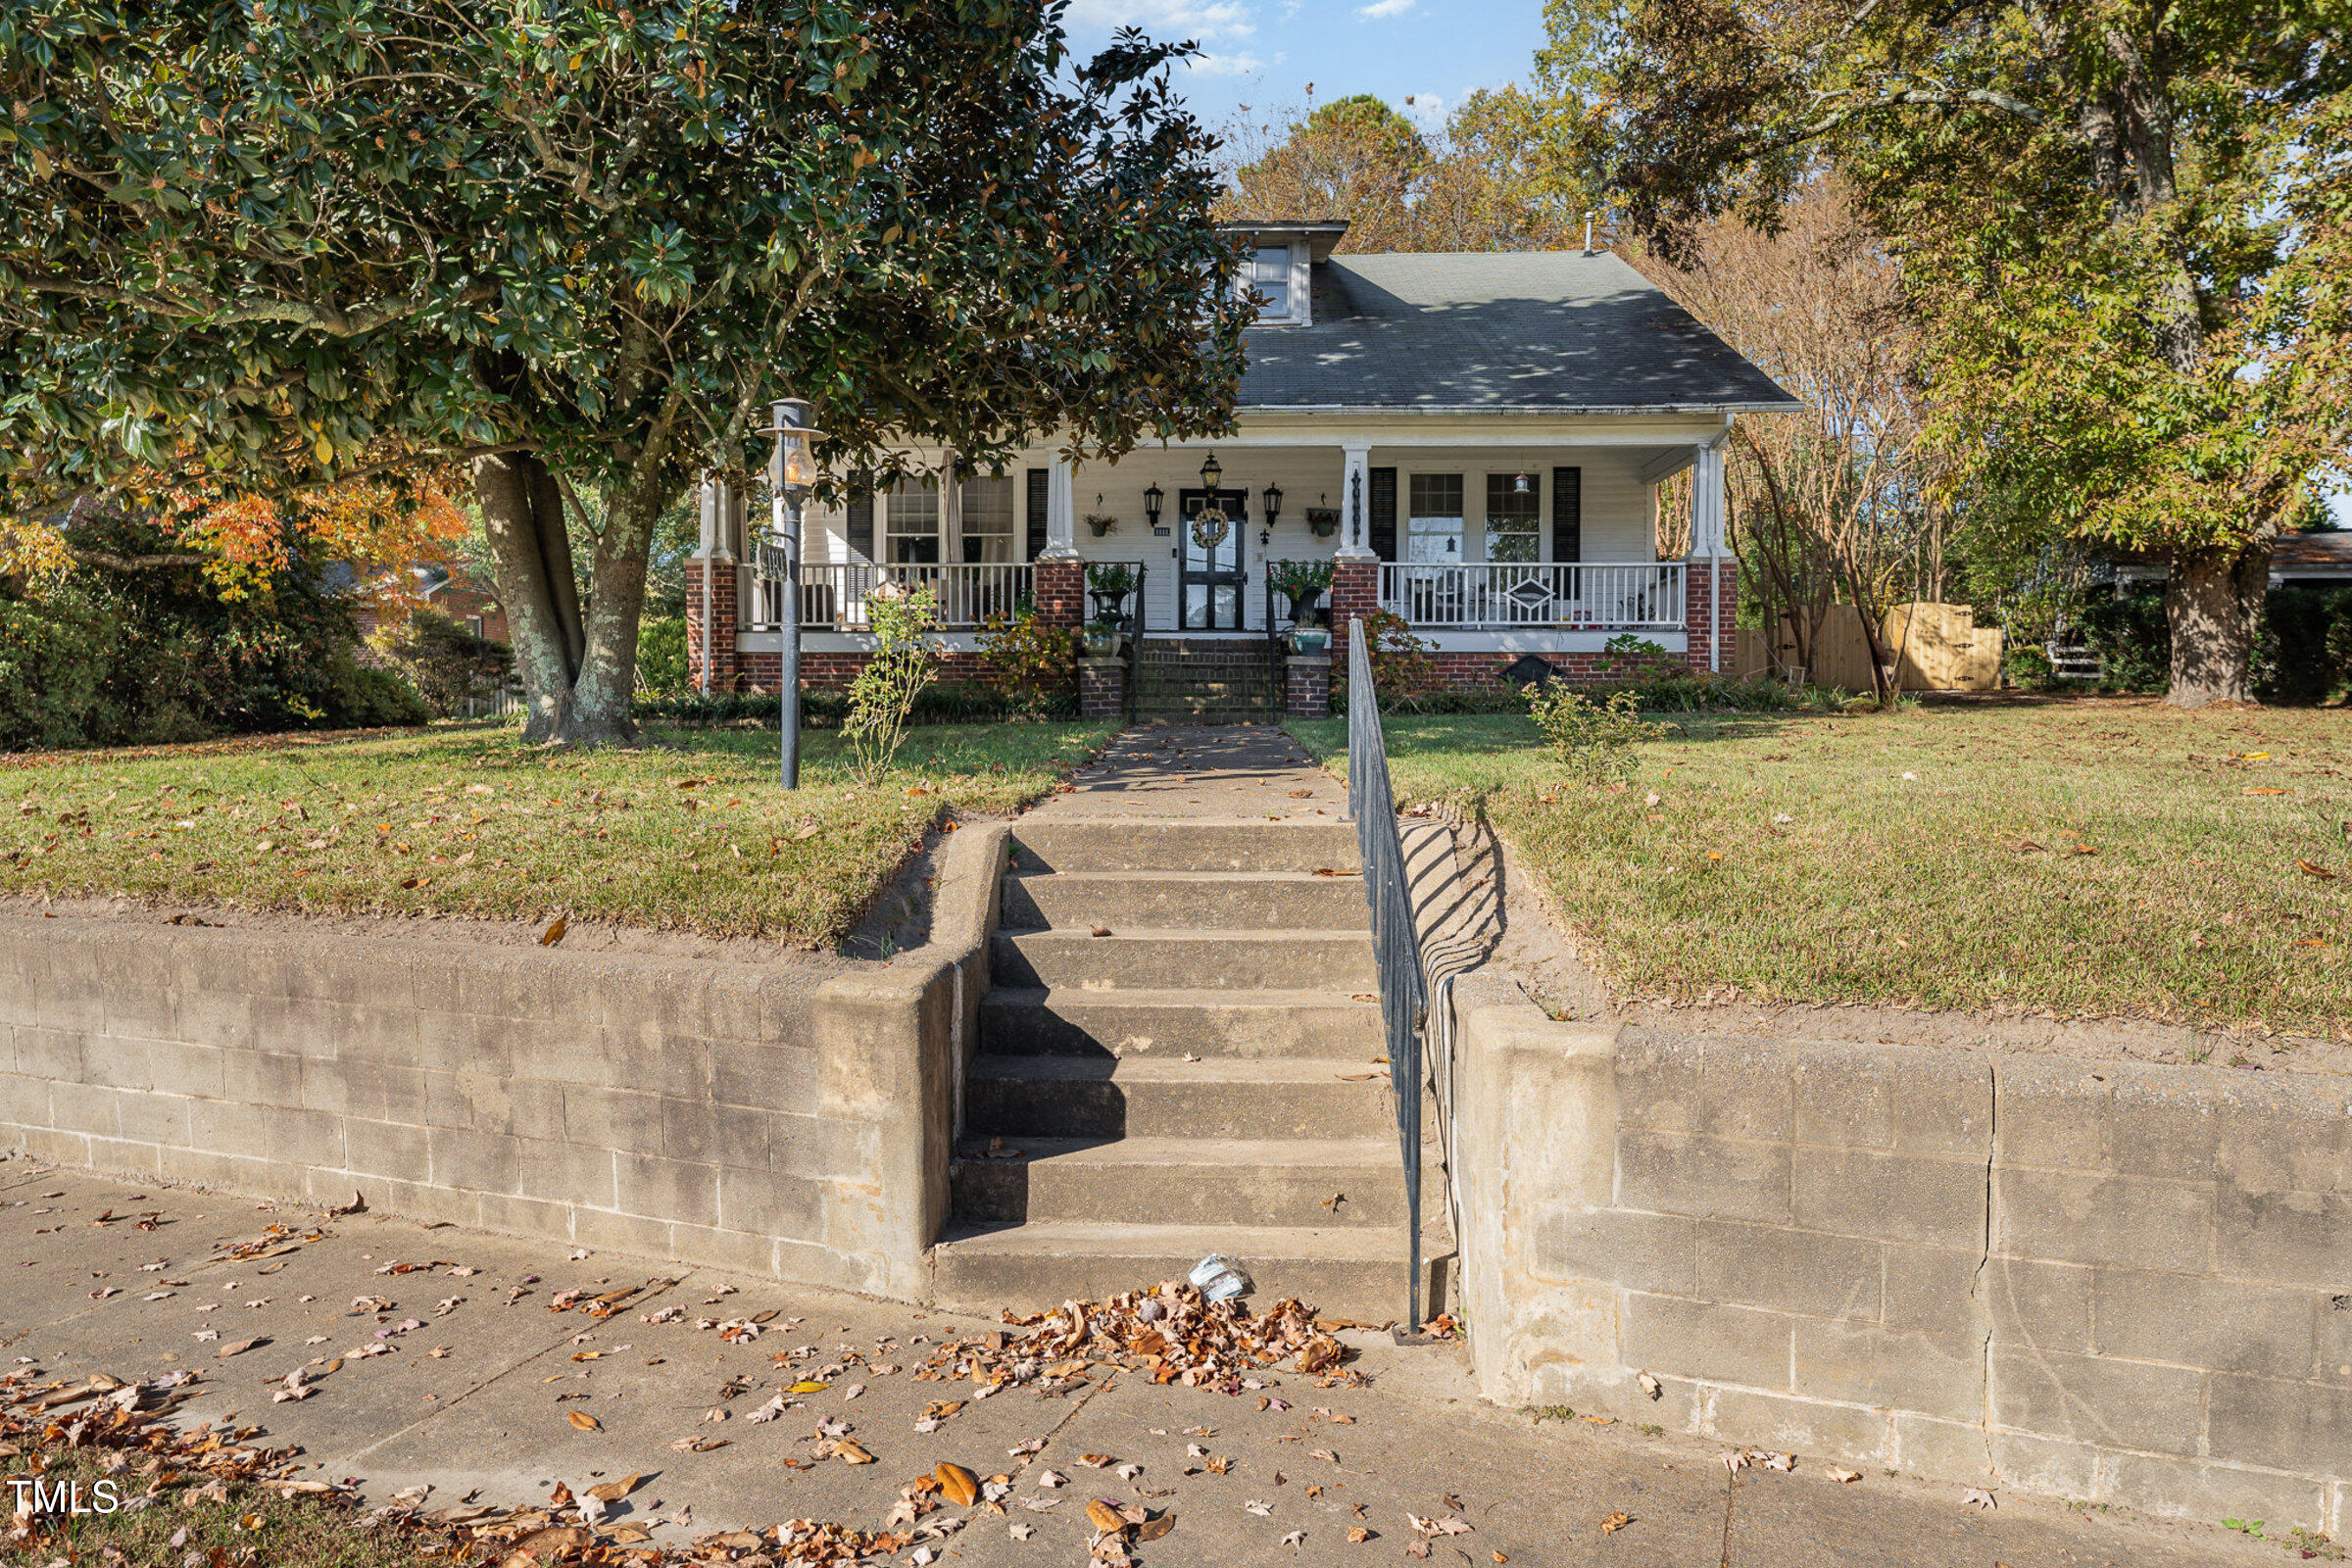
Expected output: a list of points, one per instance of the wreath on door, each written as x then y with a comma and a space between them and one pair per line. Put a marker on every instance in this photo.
1209, 528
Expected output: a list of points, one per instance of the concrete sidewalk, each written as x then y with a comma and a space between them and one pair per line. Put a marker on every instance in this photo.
488, 1419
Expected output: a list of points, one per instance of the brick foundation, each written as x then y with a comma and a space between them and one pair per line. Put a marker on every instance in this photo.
1101, 689
1306, 685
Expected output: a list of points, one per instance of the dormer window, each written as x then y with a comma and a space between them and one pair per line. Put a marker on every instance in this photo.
1270, 275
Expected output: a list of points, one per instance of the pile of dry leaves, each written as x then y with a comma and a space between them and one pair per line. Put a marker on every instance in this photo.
1171, 1333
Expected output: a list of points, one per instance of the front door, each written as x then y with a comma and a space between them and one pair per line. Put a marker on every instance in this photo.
1209, 573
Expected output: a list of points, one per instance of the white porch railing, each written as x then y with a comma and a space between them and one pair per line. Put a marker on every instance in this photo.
1630, 596
833, 593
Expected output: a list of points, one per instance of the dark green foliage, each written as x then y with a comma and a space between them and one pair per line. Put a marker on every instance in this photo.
661, 657
2129, 635
2302, 644
156, 656
447, 662
824, 707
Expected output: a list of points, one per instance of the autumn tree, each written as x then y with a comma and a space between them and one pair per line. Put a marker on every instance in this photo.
1489, 180
1838, 500
2125, 229
276, 247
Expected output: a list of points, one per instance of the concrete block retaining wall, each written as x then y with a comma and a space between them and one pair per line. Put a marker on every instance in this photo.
2107, 1281
713, 1113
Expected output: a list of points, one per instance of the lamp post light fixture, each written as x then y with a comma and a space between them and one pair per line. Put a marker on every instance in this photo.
1212, 474
1154, 497
791, 472
1270, 501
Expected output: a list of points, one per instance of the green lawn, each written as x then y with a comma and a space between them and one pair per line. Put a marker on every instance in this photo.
689, 832
2090, 856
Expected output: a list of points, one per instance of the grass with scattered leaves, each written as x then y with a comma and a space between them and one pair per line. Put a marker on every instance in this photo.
2085, 857
689, 832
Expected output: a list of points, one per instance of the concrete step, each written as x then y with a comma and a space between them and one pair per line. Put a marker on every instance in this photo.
1344, 1272
1215, 901
1169, 1023
1226, 1097
1166, 958
1180, 844
1190, 1181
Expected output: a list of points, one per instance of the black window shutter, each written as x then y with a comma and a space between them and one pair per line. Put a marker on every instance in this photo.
861, 517
1381, 522
1567, 513
1038, 479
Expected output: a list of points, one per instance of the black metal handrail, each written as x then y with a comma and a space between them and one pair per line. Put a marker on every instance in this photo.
1395, 945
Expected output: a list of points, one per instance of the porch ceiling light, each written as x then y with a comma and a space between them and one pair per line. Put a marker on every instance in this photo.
793, 468
1153, 497
1271, 500
1213, 472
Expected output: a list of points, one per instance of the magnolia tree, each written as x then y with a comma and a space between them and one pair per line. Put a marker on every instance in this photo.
2124, 229
272, 249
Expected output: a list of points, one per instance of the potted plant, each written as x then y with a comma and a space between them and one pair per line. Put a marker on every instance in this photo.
1313, 641
1101, 522
1325, 520
1303, 581
1101, 639
1108, 583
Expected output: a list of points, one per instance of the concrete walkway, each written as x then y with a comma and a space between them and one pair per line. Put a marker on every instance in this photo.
488, 1418
1244, 771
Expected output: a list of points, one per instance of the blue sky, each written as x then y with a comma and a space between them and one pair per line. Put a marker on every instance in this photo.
1264, 53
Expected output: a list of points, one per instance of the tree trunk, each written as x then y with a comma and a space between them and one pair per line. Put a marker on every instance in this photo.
577, 671
2211, 602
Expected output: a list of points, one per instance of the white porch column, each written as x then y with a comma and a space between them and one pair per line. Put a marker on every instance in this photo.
1355, 542
1061, 514
1707, 538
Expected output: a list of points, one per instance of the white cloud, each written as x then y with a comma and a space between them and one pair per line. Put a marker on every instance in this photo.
1214, 65
1426, 110
1203, 20
1379, 9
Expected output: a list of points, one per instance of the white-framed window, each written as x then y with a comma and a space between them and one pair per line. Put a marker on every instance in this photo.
911, 510
1268, 271
986, 507
1434, 519
1514, 519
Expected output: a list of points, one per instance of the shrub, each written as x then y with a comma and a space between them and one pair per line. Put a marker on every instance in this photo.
158, 656
2132, 638
2304, 653
1593, 739
884, 693
662, 656
1405, 667
1033, 661
446, 662
2027, 666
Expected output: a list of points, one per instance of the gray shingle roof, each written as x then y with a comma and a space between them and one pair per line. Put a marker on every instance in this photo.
1525, 329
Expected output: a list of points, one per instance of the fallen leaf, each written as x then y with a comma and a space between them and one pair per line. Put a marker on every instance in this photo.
235, 1347
956, 1484
1154, 1528
852, 1452
554, 932
1098, 1461
1297, 1537
808, 1386
1101, 931
2308, 869
1615, 1522
1104, 1516
1977, 1497
1359, 1534
1023, 1532
584, 1421
615, 1490
1836, 1474
2265, 791
1651, 1387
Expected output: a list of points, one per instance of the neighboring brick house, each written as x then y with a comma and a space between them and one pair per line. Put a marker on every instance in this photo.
1474, 440
450, 591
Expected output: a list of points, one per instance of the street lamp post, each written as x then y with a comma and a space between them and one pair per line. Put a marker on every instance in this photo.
791, 471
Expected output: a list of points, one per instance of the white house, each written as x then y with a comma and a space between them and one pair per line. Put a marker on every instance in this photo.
1477, 440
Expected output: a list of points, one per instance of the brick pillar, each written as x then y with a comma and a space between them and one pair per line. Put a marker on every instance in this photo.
1058, 587
1701, 618
1306, 689
714, 644
1355, 593
1101, 689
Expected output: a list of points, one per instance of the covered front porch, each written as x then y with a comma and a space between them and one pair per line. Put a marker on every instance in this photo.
1491, 539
